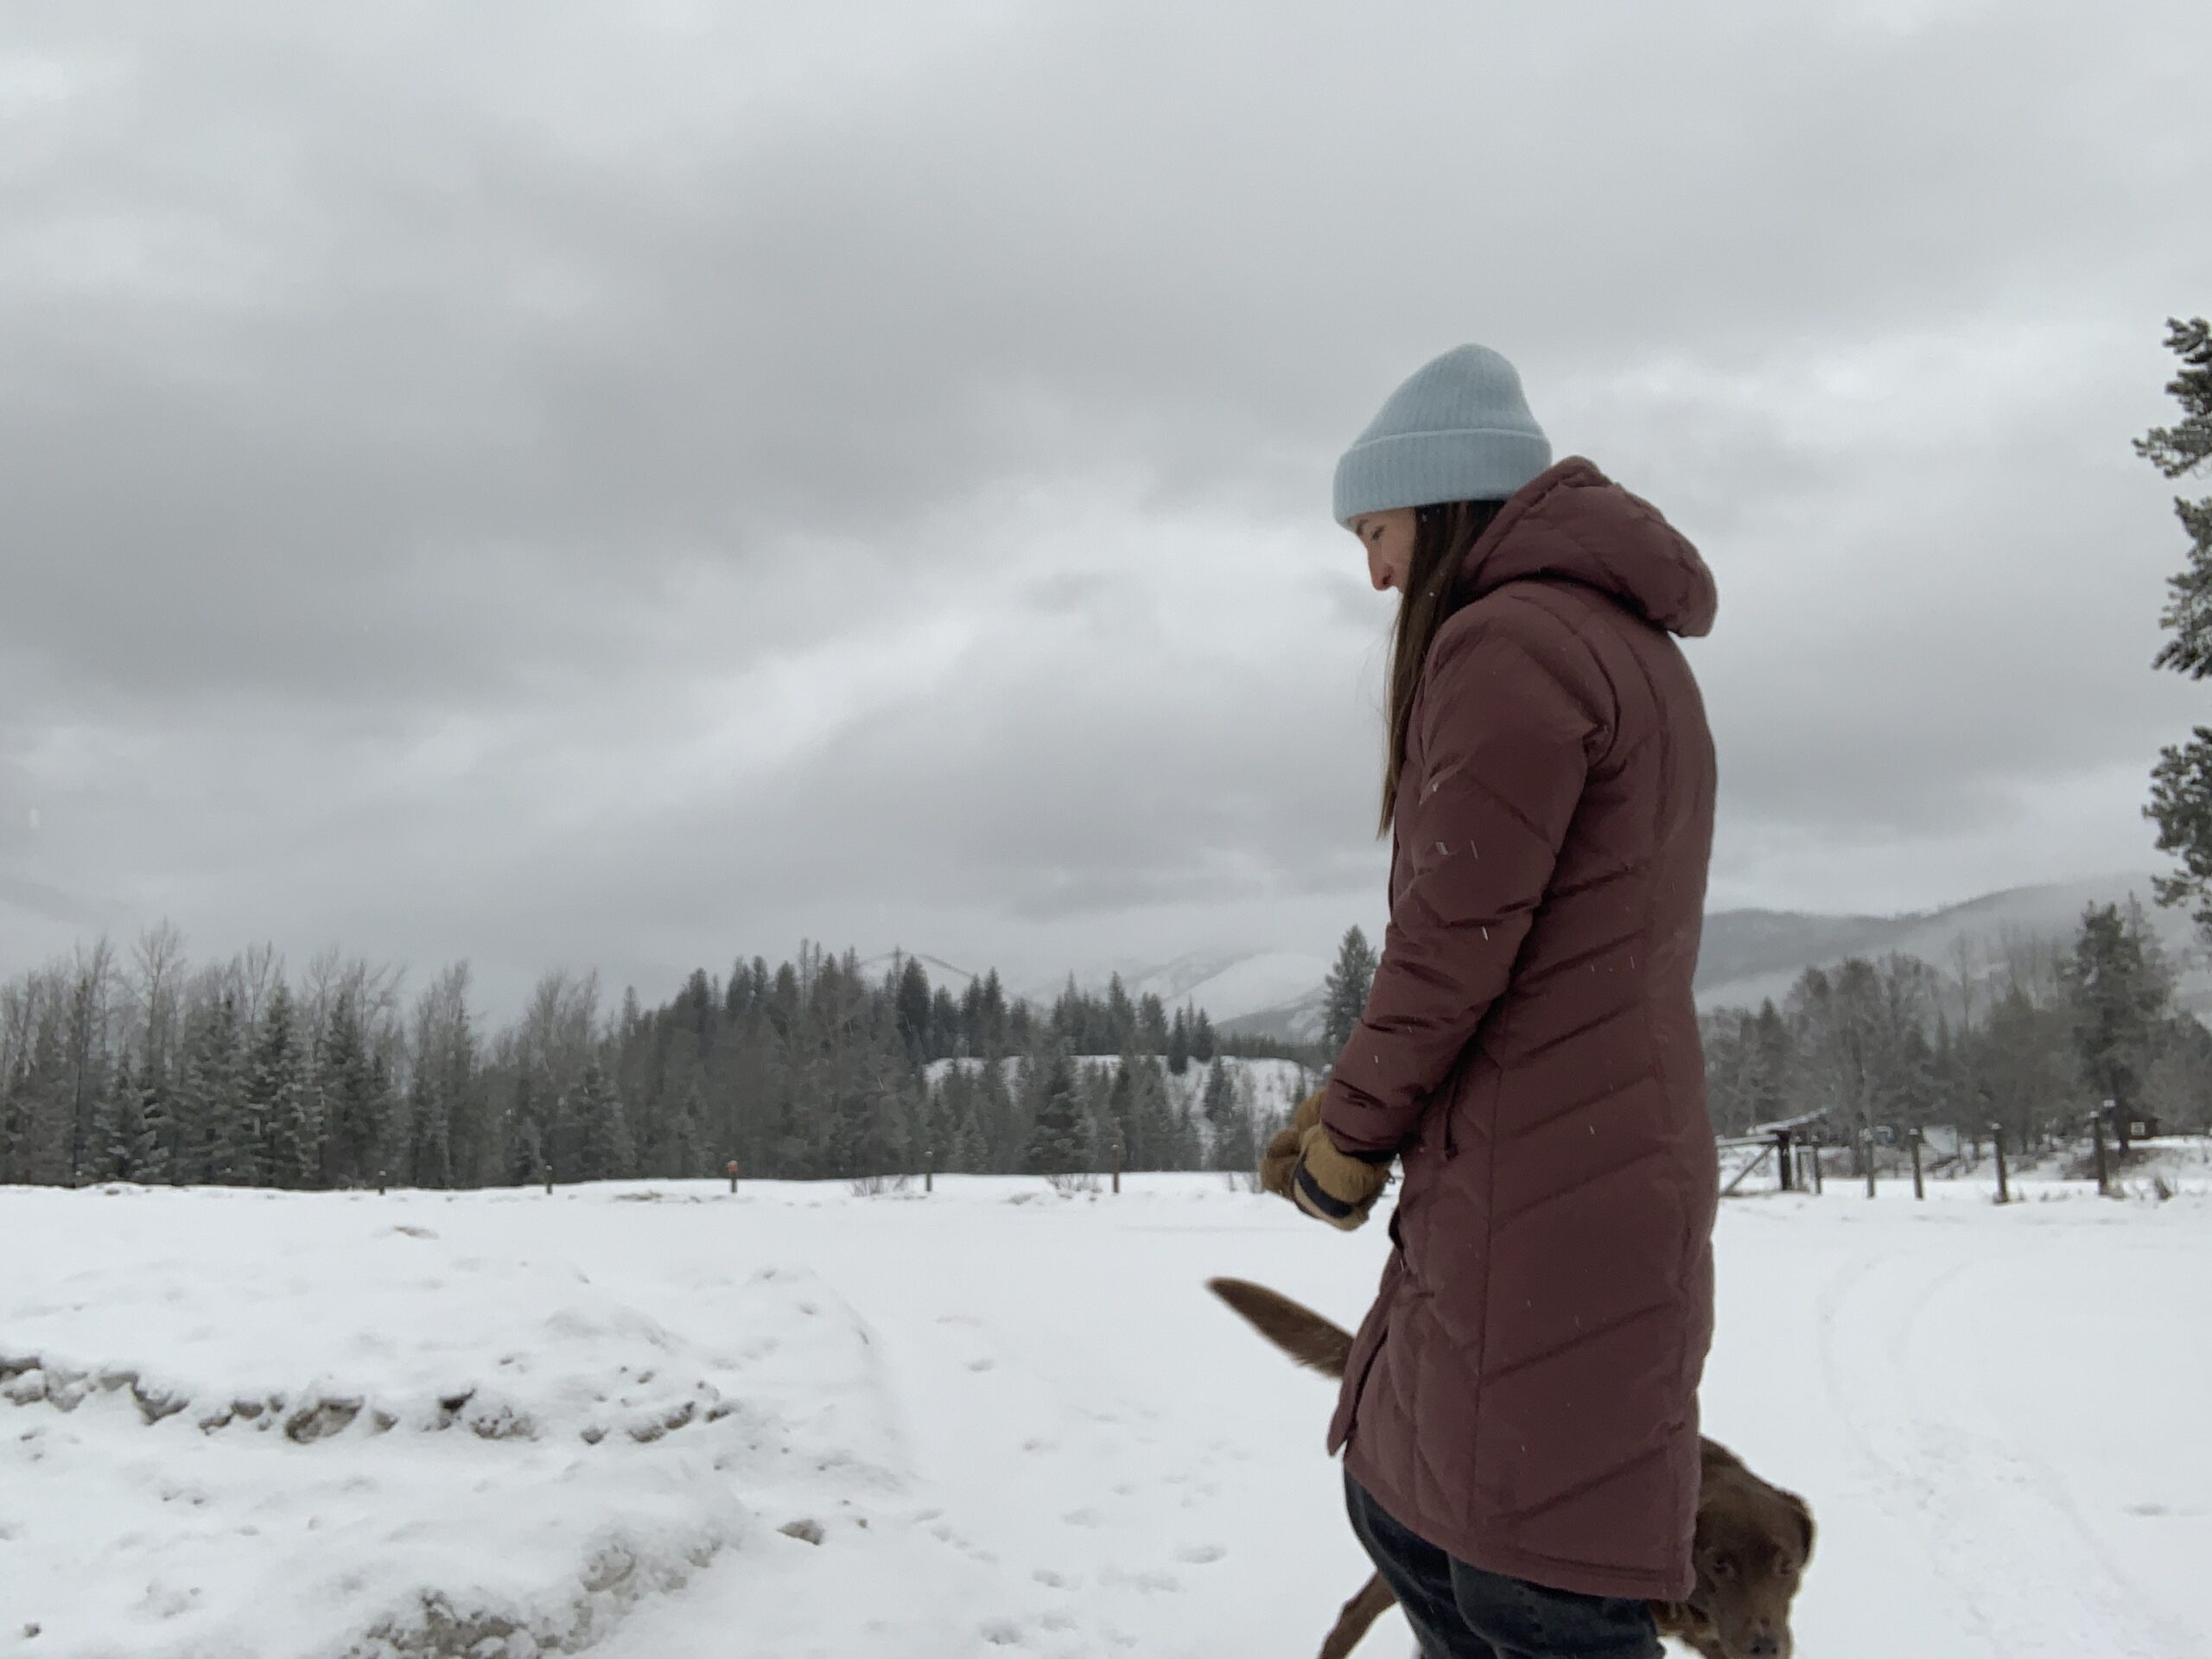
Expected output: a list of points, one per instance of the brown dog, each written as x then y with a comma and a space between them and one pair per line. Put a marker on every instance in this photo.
1753, 1539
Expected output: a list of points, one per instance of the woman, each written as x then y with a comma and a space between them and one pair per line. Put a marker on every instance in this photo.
1520, 1412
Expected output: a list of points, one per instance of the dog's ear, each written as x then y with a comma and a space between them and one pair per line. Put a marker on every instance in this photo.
1803, 1512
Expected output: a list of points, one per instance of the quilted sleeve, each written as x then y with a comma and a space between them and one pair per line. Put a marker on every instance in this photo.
1506, 733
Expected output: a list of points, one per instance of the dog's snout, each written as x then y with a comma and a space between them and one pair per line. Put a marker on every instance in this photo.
1763, 1645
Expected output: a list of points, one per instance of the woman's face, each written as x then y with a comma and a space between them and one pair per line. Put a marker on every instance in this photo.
1388, 538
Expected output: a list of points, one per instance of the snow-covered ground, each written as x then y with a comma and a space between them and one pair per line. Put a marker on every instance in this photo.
675, 1423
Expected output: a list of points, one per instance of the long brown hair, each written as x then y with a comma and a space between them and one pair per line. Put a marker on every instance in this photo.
1442, 536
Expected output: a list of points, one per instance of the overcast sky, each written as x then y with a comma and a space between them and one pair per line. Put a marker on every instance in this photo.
551, 484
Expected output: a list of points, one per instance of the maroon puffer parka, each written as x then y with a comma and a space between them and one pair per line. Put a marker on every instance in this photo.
1523, 1393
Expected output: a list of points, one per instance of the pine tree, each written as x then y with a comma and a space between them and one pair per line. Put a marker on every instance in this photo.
1349, 981
971, 1018
1204, 1043
209, 1104
1070, 1020
1771, 1063
1120, 1019
527, 1155
103, 1112
998, 1118
1219, 1100
1178, 1043
1185, 1146
2026, 1070
1155, 1138
90, 1072
353, 1091
1229, 1122
603, 1149
1152, 1024
134, 1154
39, 1128
685, 1155
1727, 1067
915, 1009
1120, 1114
993, 1032
688, 1144
276, 1093
970, 1153
155, 1111
389, 1145
947, 1031
429, 1128
1059, 1138
2181, 789
921, 1129
2121, 990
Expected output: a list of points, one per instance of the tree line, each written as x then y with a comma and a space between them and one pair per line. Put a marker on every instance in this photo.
2029, 1038
152, 1070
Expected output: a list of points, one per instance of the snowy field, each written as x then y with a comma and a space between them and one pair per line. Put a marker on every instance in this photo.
665, 1423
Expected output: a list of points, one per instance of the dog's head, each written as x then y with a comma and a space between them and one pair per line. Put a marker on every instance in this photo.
1753, 1539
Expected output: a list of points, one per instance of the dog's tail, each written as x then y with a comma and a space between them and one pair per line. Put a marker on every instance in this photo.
1318, 1344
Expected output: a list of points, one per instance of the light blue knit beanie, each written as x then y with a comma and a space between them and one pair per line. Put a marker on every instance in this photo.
1458, 430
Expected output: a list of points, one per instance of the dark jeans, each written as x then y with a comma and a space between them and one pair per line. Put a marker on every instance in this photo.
1459, 1611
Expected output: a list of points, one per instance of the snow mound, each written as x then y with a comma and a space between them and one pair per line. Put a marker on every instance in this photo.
371, 1439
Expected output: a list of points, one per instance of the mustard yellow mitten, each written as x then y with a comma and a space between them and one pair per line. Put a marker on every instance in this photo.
1332, 1185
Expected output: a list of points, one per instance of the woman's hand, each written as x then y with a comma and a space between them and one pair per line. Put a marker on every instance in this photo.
1302, 1164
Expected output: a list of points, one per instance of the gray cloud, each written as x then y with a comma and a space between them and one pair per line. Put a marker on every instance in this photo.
552, 484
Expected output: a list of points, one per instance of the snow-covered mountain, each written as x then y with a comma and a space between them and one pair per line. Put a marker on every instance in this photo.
1751, 955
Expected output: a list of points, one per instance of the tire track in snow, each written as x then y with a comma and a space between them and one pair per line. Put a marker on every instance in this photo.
1896, 1489
2009, 1542
1983, 1466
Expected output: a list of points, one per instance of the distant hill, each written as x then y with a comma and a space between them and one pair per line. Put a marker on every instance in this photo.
1752, 954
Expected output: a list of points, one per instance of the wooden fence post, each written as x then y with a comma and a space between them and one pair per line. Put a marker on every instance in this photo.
1869, 1163
1815, 1150
1997, 1144
1919, 1189
2097, 1137
929, 1180
546, 1170
730, 1169
1117, 1164
1782, 1142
